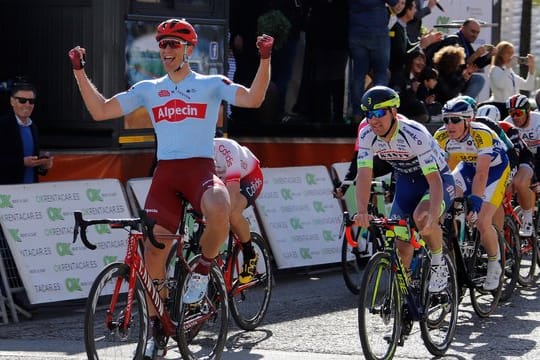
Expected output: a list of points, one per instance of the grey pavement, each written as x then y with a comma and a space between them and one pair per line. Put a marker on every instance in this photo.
312, 316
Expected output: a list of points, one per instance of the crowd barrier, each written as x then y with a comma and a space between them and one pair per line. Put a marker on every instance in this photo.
295, 212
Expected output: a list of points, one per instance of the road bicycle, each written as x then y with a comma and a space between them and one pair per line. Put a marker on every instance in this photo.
357, 249
392, 298
527, 245
470, 258
116, 323
248, 303
536, 222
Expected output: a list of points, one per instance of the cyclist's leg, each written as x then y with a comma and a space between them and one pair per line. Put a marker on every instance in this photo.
493, 196
521, 184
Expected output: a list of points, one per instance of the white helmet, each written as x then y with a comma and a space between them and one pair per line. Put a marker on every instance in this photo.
490, 111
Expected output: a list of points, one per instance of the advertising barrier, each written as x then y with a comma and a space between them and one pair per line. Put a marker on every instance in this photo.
37, 221
300, 216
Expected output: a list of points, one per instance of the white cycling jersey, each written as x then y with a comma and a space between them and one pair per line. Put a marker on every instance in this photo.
531, 133
233, 161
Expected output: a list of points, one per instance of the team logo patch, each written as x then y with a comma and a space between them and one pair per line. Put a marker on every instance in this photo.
164, 93
177, 110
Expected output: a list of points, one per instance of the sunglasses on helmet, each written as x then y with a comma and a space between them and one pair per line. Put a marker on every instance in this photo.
23, 100
379, 113
518, 112
453, 119
173, 44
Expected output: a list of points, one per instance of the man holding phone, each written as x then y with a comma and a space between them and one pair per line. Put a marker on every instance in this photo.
19, 149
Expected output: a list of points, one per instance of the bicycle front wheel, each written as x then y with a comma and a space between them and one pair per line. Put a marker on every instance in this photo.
249, 302
111, 330
484, 302
438, 325
202, 327
352, 262
379, 309
512, 255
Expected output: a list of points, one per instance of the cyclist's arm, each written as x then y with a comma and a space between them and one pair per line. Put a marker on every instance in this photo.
253, 96
481, 175
99, 107
363, 189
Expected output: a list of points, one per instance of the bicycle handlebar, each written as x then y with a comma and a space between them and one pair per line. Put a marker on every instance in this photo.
143, 222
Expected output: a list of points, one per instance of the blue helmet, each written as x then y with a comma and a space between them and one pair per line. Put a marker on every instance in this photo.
462, 106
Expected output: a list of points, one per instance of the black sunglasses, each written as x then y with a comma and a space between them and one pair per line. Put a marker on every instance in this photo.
453, 119
24, 100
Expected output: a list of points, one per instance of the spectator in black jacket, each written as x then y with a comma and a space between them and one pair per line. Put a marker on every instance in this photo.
19, 148
475, 59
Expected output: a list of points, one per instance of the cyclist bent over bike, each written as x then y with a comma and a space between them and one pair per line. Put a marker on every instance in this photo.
240, 170
481, 172
183, 107
424, 184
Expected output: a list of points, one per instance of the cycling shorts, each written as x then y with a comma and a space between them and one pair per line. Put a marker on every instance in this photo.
410, 191
188, 177
497, 181
251, 185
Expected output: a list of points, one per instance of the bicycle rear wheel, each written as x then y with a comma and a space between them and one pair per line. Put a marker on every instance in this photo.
484, 302
352, 261
106, 334
249, 302
379, 309
202, 327
512, 253
438, 325
528, 253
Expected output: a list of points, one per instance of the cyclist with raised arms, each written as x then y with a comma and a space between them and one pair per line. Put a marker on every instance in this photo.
481, 172
183, 107
424, 184
528, 124
521, 171
240, 171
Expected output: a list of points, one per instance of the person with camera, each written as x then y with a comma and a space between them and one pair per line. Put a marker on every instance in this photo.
503, 81
19, 149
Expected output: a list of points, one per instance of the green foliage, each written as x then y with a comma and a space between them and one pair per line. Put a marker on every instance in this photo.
275, 24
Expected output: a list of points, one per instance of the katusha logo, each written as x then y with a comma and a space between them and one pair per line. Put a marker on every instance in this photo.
94, 195
177, 110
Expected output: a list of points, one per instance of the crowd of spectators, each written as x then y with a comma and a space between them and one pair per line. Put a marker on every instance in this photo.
349, 46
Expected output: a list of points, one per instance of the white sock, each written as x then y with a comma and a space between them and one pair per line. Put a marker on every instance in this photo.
527, 216
436, 259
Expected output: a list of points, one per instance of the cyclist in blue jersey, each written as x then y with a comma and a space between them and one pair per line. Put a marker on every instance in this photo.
183, 107
424, 184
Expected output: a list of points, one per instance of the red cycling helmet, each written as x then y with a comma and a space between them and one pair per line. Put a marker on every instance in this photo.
178, 28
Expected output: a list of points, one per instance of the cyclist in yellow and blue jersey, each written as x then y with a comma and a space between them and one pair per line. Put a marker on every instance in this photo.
481, 170
424, 183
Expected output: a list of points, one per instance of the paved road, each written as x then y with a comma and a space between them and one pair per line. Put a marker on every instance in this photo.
312, 316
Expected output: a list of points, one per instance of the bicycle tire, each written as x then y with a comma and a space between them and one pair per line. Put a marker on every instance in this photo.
249, 302
352, 265
103, 338
512, 264
379, 309
202, 327
530, 253
438, 325
484, 302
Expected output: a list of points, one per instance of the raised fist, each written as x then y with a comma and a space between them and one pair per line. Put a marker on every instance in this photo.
76, 55
265, 44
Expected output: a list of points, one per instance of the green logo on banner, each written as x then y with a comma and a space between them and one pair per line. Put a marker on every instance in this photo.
102, 229
327, 235
286, 194
94, 195
5, 201
305, 253
295, 223
63, 249
109, 259
310, 179
15, 235
54, 214
73, 284
318, 206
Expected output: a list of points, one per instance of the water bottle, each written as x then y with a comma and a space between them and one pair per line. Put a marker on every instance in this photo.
460, 222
